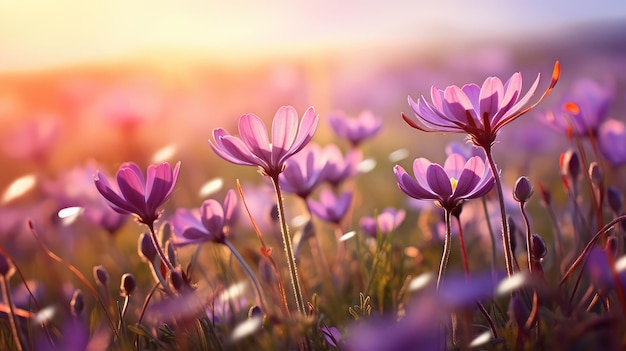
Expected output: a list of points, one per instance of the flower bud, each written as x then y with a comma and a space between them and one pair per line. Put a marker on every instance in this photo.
255, 311
6, 268
538, 250
517, 311
146, 248
615, 199
77, 304
101, 275
171, 253
127, 287
523, 190
178, 281
570, 164
595, 173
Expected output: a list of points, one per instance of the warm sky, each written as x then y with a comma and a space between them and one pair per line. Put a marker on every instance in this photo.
40, 33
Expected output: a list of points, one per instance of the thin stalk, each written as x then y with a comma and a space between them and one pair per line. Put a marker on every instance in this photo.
506, 233
492, 236
157, 247
522, 208
289, 254
121, 326
250, 273
143, 311
463, 250
446, 250
7, 298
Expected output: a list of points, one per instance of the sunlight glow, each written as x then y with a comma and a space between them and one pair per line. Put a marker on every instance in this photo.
19, 187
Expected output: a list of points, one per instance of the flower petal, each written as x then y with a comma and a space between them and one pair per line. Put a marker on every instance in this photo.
132, 186
491, 93
439, 181
111, 195
254, 134
284, 132
212, 216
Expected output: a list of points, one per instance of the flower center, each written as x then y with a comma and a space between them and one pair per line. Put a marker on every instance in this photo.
454, 183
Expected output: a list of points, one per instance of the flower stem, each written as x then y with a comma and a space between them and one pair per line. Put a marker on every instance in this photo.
157, 247
248, 270
291, 259
7, 298
506, 233
446, 250
529, 243
463, 250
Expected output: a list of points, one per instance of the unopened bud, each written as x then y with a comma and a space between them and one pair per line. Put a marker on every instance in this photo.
101, 275
538, 250
595, 173
77, 304
523, 190
171, 253
128, 284
255, 311
146, 248
6, 268
570, 164
615, 199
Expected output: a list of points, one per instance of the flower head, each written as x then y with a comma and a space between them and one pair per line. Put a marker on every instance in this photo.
612, 141
254, 148
331, 208
304, 171
211, 223
138, 195
338, 167
388, 220
355, 130
582, 110
480, 112
449, 185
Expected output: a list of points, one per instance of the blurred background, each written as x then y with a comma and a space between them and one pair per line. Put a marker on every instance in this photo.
118, 81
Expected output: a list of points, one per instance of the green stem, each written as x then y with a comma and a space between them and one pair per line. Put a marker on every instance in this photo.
446, 250
506, 233
248, 270
529, 243
289, 254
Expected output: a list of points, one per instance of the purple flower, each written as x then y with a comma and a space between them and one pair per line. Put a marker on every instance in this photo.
355, 130
253, 148
477, 111
449, 185
211, 223
330, 207
612, 141
340, 168
582, 109
387, 221
33, 139
137, 195
304, 172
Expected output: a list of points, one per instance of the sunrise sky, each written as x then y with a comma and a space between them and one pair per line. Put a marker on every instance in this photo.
35, 33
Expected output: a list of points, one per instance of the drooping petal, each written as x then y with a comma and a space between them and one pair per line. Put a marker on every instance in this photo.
218, 147
230, 205
239, 152
188, 228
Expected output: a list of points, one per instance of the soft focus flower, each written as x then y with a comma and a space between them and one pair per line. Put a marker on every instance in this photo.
136, 195
355, 130
304, 171
33, 139
477, 111
387, 221
449, 185
612, 141
253, 148
211, 223
340, 168
582, 109
330, 207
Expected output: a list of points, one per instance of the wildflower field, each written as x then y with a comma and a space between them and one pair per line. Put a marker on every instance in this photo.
438, 203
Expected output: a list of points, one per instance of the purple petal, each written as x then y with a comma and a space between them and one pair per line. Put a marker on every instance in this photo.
212, 216
307, 128
159, 184
454, 165
132, 186
230, 205
240, 153
439, 181
412, 188
112, 197
491, 93
284, 132
188, 228
456, 105
470, 177
254, 134
222, 151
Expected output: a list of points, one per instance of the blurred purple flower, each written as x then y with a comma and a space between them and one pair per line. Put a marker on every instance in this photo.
253, 148
355, 130
387, 221
75, 188
211, 223
136, 195
477, 111
582, 109
612, 141
599, 271
340, 168
331, 208
304, 172
449, 185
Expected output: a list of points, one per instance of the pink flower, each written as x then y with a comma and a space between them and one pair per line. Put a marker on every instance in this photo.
387, 221
253, 147
137, 195
211, 223
331, 208
338, 167
477, 111
305, 171
355, 130
449, 185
